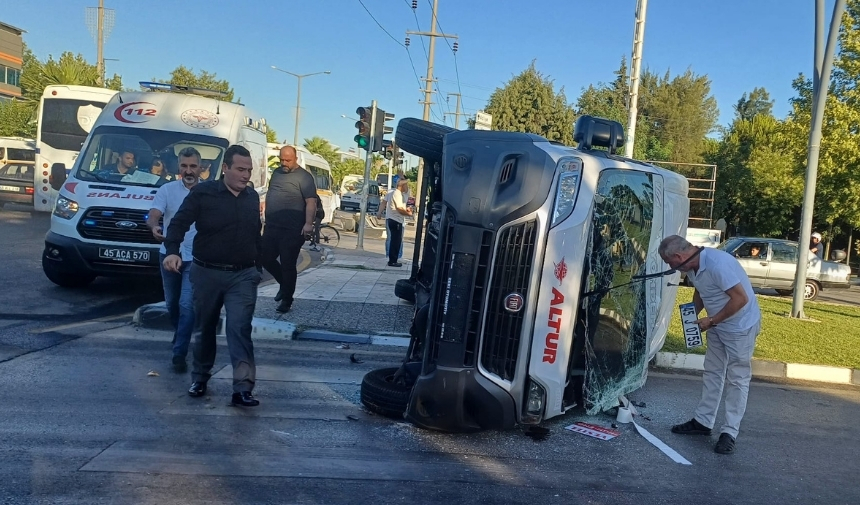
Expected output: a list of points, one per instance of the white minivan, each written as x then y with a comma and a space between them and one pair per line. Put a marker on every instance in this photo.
98, 226
350, 194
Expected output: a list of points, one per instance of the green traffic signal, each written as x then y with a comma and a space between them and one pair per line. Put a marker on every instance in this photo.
363, 125
361, 141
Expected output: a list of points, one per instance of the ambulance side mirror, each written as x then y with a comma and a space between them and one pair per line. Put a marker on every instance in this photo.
58, 175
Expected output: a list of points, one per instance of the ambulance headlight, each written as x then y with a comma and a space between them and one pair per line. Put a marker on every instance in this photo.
65, 208
565, 190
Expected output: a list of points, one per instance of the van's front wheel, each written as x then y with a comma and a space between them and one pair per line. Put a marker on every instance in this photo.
65, 279
421, 138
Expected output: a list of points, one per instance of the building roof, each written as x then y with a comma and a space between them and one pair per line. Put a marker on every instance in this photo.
15, 29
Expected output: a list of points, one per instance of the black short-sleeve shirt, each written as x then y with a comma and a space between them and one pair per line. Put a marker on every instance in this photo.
285, 199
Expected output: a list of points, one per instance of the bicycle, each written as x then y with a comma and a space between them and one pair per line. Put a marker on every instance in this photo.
329, 236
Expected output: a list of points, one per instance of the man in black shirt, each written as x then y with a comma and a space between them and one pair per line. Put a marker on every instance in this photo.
226, 269
291, 204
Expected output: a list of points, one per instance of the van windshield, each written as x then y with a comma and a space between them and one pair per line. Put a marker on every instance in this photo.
141, 157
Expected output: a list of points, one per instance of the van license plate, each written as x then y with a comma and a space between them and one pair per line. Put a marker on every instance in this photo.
124, 254
692, 332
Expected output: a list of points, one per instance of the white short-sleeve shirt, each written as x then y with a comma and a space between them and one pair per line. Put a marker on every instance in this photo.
390, 208
718, 272
168, 198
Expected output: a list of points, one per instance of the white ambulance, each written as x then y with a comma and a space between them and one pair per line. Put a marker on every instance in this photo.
98, 226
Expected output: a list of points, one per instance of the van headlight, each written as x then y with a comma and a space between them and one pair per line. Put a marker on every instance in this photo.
65, 208
533, 407
565, 190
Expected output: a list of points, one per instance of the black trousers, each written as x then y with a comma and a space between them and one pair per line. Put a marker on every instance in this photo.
237, 293
395, 231
286, 244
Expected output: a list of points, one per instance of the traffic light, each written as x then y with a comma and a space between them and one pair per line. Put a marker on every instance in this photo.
398, 155
363, 125
379, 128
387, 149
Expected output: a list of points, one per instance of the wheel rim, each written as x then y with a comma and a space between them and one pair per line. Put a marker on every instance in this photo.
809, 291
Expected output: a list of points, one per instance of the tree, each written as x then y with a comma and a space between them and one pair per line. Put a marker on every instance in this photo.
348, 166
322, 148
271, 135
183, 76
758, 102
674, 114
528, 103
16, 119
68, 69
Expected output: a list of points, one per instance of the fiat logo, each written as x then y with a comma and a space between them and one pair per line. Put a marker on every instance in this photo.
514, 302
126, 224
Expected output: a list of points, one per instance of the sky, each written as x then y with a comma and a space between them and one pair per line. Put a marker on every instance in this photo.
738, 44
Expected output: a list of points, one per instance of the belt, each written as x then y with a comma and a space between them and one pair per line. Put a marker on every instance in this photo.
223, 266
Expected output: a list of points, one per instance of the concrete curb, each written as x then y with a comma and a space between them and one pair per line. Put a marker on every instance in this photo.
766, 368
154, 316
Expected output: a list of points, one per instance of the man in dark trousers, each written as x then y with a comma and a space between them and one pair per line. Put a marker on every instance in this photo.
291, 205
226, 269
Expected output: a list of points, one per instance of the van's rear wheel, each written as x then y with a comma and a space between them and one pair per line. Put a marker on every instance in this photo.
65, 279
405, 290
421, 138
382, 394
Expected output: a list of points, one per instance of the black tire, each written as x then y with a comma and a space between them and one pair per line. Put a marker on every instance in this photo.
811, 290
380, 394
405, 290
65, 279
421, 138
785, 292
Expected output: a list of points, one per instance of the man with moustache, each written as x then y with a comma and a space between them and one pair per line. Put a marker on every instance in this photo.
177, 286
226, 269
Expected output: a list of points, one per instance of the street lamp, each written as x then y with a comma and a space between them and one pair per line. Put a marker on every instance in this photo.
357, 146
298, 97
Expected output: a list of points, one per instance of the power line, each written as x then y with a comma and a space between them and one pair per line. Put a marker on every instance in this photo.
418, 24
401, 44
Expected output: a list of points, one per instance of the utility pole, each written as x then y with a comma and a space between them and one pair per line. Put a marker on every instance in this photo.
100, 44
636, 64
823, 66
428, 87
457, 112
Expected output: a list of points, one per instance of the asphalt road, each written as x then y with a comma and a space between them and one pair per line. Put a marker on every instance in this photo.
88, 421
30, 302
90, 413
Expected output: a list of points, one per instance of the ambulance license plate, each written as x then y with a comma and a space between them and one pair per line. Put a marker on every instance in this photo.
129, 255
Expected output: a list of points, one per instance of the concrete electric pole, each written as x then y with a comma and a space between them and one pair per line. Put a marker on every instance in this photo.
428, 87
636, 64
456, 112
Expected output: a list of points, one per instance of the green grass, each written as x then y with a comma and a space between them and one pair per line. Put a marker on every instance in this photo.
830, 336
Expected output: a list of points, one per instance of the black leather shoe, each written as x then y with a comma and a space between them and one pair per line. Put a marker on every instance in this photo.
197, 389
279, 296
284, 306
395, 264
245, 399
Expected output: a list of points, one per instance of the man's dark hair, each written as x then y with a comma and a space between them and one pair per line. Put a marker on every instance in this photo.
188, 152
233, 151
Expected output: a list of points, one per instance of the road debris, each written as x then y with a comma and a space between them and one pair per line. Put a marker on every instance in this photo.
152, 373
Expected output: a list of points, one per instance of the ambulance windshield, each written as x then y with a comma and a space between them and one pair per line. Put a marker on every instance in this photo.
142, 157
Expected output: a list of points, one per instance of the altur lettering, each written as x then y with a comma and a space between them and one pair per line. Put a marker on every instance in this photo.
124, 197
554, 322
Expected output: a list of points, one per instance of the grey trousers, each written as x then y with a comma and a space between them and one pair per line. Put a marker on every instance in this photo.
728, 359
237, 293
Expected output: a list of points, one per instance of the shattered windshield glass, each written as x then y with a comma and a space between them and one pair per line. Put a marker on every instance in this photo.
613, 321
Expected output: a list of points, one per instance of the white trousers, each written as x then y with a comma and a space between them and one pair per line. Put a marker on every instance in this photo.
728, 359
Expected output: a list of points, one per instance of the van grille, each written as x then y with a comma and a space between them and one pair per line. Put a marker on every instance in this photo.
116, 225
512, 267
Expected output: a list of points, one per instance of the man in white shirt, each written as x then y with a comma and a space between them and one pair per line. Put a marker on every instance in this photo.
395, 213
177, 286
733, 322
